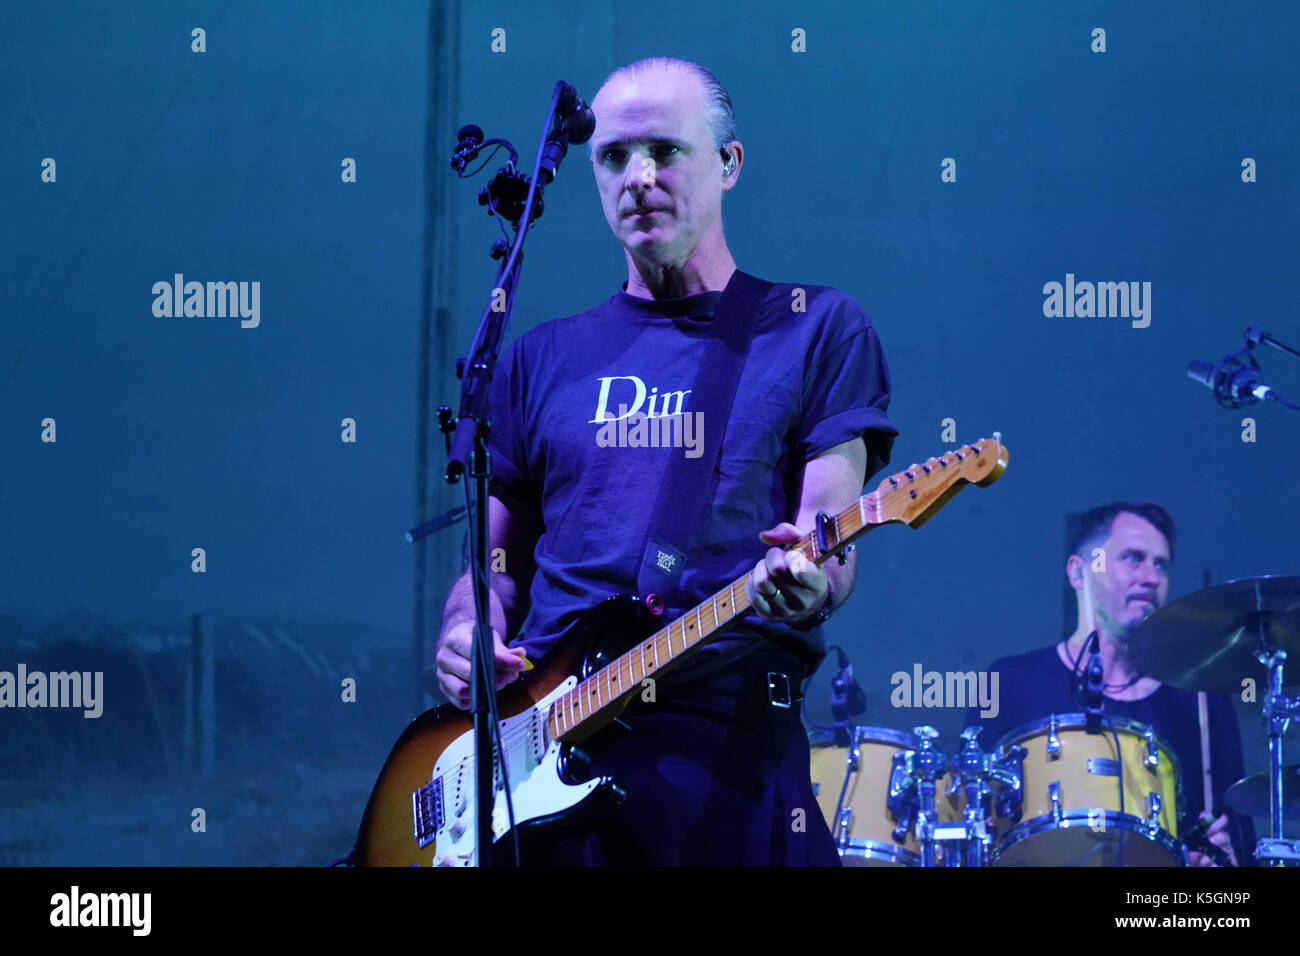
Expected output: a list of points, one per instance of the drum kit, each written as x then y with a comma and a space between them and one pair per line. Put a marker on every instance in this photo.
1055, 792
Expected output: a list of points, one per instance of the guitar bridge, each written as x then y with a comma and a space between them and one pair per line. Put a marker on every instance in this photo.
428, 811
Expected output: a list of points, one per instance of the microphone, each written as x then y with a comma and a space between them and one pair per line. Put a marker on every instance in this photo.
1095, 685
845, 687
1233, 383
846, 697
471, 139
577, 121
574, 124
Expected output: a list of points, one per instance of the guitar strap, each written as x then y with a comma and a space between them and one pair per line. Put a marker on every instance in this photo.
689, 482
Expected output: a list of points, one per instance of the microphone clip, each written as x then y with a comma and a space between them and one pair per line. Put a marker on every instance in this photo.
1094, 686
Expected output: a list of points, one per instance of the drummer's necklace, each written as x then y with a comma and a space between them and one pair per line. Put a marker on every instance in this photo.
1125, 686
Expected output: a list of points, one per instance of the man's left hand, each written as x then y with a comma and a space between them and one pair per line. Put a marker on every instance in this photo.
785, 587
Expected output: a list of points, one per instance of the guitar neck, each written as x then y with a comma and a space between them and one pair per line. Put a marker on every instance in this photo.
910, 497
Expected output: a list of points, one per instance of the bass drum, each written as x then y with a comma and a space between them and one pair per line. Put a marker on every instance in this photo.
1072, 812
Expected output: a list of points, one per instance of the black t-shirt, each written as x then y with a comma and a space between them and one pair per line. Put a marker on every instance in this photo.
1035, 685
813, 379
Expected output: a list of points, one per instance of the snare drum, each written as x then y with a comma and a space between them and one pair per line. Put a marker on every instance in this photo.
1071, 792
860, 819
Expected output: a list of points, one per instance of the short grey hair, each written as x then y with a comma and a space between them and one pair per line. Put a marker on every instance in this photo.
722, 116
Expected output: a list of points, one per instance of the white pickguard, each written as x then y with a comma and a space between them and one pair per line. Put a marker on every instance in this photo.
534, 779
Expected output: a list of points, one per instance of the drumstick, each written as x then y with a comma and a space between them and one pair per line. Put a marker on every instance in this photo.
1203, 713
1089, 612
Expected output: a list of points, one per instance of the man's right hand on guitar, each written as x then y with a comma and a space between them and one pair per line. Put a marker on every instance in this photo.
453, 660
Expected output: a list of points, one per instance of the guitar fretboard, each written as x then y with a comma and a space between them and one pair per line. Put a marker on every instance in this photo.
659, 651
911, 496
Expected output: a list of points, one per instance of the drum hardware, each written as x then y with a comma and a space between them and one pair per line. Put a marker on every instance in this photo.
1153, 812
1253, 796
855, 755
901, 800
1153, 753
912, 787
1278, 711
1219, 637
846, 816
973, 772
929, 767
970, 773
964, 838
846, 812
935, 811
1278, 852
1005, 770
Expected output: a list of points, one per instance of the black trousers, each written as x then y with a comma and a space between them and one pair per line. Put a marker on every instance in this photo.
716, 775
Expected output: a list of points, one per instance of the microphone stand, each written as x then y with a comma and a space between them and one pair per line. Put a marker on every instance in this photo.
467, 439
840, 717
1257, 336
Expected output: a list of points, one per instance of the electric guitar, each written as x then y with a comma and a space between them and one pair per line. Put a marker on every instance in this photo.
422, 809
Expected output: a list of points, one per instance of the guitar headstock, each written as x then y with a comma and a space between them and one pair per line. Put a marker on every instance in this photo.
915, 494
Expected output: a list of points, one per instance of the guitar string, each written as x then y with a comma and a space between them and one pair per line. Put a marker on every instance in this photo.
525, 730
515, 736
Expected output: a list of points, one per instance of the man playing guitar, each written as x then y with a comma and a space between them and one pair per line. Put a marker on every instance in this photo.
714, 759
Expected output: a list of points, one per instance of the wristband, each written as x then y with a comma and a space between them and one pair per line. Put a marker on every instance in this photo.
823, 614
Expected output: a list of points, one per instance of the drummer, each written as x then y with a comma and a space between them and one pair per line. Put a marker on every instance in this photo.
1117, 564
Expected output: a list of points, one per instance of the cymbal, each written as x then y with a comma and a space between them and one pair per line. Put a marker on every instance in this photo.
1250, 794
1208, 640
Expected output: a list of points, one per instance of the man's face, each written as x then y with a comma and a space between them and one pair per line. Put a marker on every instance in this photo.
1136, 579
657, 168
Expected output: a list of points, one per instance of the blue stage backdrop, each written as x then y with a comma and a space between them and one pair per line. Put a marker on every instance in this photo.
208, 510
